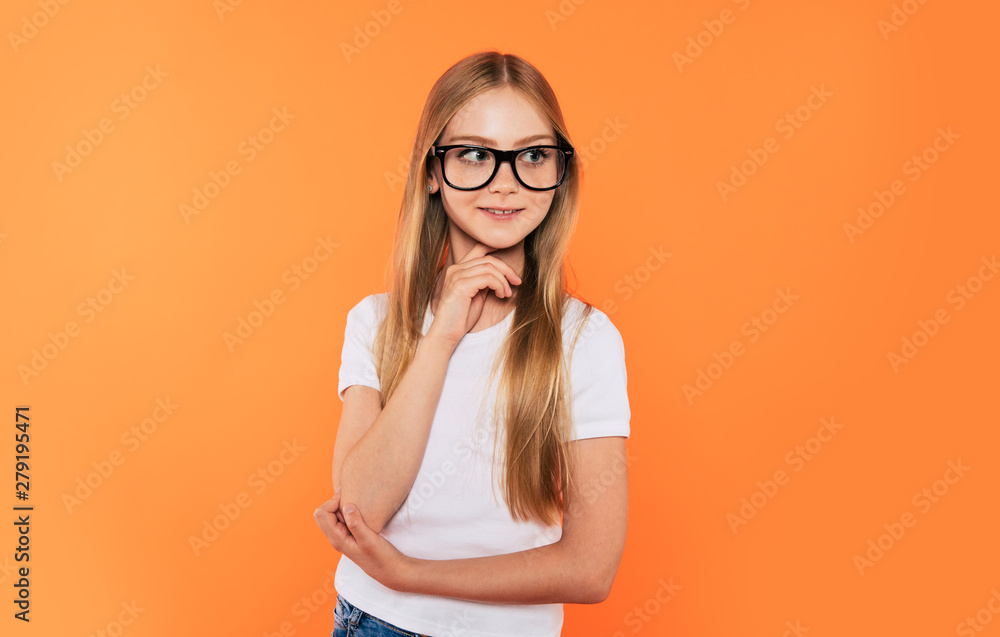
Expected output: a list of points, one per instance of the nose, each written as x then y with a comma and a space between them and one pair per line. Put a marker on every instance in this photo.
504, 180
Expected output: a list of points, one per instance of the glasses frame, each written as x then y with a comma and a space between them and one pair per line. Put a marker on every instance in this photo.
501, 157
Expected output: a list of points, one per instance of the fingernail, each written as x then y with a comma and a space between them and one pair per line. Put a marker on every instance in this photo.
350, 508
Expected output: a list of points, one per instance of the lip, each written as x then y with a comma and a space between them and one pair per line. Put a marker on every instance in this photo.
501, 217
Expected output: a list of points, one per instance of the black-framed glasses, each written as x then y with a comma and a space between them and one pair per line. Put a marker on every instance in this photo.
469, 167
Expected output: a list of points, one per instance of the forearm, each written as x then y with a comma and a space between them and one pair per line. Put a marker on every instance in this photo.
379, 470
549, 574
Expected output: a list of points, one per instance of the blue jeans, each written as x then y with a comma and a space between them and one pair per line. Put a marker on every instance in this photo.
351, 621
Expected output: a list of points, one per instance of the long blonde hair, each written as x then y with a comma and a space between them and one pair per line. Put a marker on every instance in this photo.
534, 387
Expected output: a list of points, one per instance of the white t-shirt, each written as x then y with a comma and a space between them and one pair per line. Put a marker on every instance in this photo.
451, 511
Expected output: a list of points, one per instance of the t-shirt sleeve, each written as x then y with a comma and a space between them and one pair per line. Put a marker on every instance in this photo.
357, 361
599, 382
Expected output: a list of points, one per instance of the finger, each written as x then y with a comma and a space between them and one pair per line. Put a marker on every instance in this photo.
323, 520
335, 531
356, 524
478, 250
484, 275
506, 287
505, 290
332, 504
506, 268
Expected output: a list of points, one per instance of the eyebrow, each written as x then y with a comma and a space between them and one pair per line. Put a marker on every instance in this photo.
486, 141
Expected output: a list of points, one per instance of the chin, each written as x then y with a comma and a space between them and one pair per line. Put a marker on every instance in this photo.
500, 244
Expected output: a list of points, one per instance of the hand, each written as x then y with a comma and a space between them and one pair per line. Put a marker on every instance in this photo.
348, 533
466, 284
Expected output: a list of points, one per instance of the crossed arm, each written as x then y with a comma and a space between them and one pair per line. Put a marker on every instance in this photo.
578, 568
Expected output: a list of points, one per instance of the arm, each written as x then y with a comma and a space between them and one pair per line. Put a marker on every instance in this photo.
579, 568
375, 469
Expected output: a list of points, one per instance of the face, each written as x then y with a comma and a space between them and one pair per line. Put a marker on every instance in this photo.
503, 120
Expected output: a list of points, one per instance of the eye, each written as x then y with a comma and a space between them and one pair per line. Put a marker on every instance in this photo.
535, 156
473, 155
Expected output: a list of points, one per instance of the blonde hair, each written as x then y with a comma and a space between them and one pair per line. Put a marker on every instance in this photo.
533, 393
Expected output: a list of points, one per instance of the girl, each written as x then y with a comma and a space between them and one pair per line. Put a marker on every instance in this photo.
478, 293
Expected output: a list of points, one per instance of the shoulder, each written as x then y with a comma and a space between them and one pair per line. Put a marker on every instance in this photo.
369, 308
586, 328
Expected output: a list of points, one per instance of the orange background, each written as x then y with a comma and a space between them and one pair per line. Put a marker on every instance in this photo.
650, 185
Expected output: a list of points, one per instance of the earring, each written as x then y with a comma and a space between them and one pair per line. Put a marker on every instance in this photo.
430, 188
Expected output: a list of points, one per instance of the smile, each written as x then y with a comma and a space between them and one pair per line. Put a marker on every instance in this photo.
501, 213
